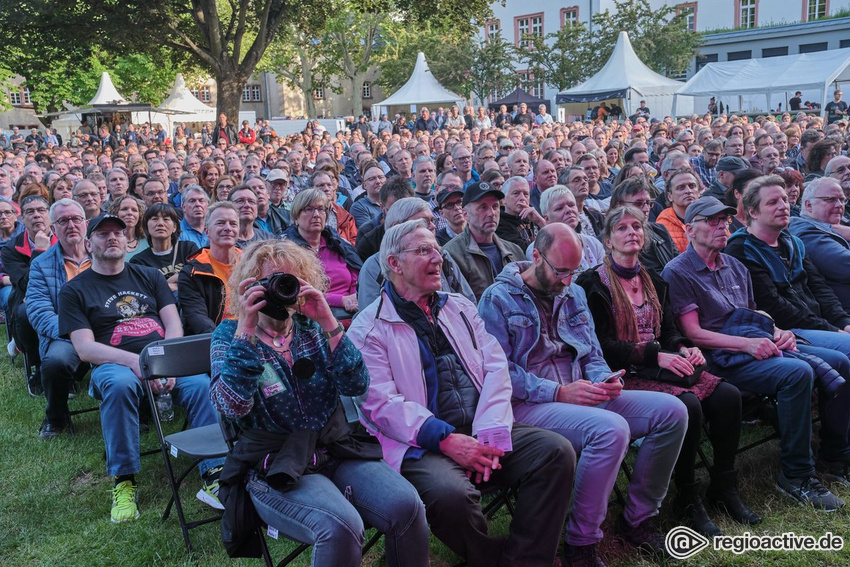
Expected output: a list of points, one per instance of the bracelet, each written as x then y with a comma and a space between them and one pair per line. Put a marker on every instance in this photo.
252, 339
337, 331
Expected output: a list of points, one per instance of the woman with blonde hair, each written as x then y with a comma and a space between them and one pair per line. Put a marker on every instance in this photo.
278, 372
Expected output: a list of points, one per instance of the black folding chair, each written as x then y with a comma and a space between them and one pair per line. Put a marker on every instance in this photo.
178, 358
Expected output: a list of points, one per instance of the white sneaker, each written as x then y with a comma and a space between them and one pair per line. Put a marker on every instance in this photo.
12, 349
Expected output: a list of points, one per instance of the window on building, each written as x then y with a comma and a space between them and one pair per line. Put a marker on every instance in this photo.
206, 95
813, 47
705, 59
195, 93
493, 29
529, 84
367, 89
319, 93
15, 97
843, 43
739, 55
569, 16
528, 25
815, 9
256, 93
746, 14
774, 51
690, 12
246, 94
27, 96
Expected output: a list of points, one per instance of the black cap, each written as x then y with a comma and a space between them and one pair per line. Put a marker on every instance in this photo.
100, 219
707, 207
443, 196
478, 190
733, 164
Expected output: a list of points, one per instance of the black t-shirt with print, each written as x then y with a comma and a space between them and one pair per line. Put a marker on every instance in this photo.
122, 311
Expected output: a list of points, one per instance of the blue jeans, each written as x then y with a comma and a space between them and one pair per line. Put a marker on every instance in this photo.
602, 435
121, 392
790, 382
834, 349
329, 512
5, 291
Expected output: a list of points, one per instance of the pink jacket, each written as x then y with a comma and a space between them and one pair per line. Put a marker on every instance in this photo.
395, 407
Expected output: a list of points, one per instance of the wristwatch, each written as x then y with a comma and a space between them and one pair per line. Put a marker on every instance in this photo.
337, 331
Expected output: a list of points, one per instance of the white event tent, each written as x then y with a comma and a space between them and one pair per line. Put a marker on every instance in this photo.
180, 106
765, 82
625, 78
420, 89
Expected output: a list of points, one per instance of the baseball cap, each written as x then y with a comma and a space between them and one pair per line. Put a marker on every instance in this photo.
102, 218
707, 207
443, 196
732, 164
478, 190
506, 144
277, 175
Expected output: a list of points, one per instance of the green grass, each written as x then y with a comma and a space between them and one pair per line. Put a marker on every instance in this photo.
54, 505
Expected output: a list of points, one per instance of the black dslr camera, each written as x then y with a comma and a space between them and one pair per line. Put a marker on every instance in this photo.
282, 291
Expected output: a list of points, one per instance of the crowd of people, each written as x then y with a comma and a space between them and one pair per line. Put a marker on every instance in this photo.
511, 300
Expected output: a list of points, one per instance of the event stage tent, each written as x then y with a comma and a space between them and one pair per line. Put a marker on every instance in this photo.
421, 89
763, 79
518, 96
626, 80
180, 106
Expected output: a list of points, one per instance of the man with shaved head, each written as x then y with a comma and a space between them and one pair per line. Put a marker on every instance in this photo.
562, 383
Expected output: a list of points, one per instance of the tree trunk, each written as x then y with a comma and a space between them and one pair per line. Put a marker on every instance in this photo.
307, 85
229, 96
357, 93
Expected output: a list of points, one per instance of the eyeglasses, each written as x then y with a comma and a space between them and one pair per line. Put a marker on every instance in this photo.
423, 251
559, 273
833, 200
245, 201
463, 158
7, 213
453, 205
310, 211
639, 204
153, 193
63, 222
714, 222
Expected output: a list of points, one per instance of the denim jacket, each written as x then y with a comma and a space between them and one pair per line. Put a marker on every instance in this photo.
511, 316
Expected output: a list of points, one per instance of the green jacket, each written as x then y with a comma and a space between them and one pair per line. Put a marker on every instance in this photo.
474, 264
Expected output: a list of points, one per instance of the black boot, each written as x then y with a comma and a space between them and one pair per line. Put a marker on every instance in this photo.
689, 505
723, 495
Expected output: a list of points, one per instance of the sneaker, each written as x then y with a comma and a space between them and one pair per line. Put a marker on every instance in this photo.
645, 536
582, 556
208, 494
50, 429
810, 491
34, 388
12, 349
124, 508
834, 471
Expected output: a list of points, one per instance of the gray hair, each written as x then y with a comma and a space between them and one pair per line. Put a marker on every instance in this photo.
194, 189
670, 161
514, 155
115, 170
219, 205
549, 194
827, 172
812, 187
510, 181
420, 160
304, 199
66, 202
405, 208
391, 244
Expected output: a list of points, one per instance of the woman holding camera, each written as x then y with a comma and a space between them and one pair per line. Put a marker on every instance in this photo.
341, 263
278, 371
631, 308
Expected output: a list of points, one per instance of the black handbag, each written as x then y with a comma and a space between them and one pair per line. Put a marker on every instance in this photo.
668, 377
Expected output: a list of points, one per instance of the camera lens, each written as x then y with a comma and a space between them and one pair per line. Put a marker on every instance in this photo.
283, 289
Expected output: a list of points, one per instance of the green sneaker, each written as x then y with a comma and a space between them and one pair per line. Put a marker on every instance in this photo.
208, 494
124, 507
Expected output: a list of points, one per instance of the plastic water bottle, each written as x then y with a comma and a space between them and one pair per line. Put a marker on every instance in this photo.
165, 405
